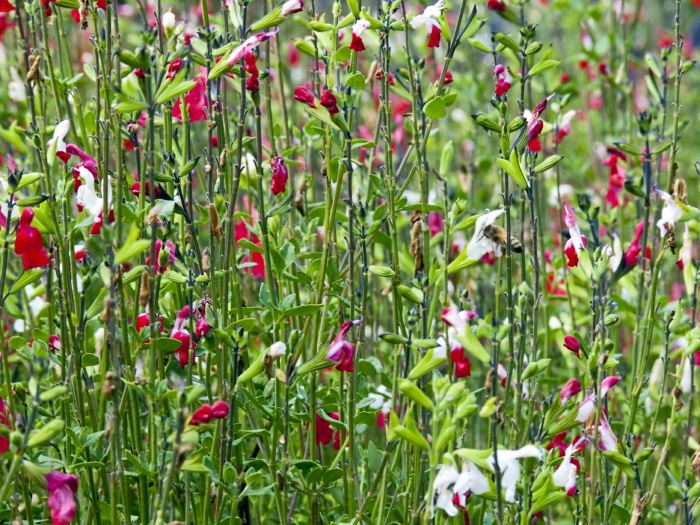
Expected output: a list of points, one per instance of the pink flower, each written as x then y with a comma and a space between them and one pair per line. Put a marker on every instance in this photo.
608, 440
291, 6
61, 503
573, 344
585, 408
607, 384
220, 409
329, 102
279, 175
179, 333
616, 177
202, 328
249, 45
202, 415
54, 342
503, 80
4, 421
305, 96
342, 351
570, 389
435, 222
173, 68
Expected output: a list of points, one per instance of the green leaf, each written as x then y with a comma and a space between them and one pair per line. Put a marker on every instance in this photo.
472, 345
305, 309
167, 344
435, 108
355, 81
131, 249
175, 90
543, 66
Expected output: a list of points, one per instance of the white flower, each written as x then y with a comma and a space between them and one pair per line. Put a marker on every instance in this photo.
59, 133
656, 376
440, 351
360, 26
586, 408
510, 467
168, 20
687, 376
446, 476
565, 190
470, 479
565, 475
277, 349
86, 195
15, 88
480, 244
380, 400
670, 213
429, 17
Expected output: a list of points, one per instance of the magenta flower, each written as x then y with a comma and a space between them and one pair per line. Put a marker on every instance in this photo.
608, 440
607, 384
202, 328
305, 96
586, 408
503, 80
342, 351
61, 503
495, 5
570, 389
329, 102
279, 175
573, 344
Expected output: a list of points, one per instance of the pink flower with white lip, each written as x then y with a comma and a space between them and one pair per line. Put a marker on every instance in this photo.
54, 342
570, 389
576, 242
608, 441
607, 384
342, 351
291, 6
61, 502
429, 19
457, 319
503, 80
249, 45
585, 409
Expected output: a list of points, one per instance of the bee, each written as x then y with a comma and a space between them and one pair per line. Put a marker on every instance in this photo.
499, 235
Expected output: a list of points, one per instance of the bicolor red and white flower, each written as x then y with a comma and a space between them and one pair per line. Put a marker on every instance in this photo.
359, 27
576, 241
509, 465
481, 244
341, 351
503, 80
430, 20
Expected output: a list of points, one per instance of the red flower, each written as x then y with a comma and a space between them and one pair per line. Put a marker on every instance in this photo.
496, 5
5, 421
329, 102
616, 178
324, 431
503, 80
252, 83
279, 175
75, 15
179, 332
29, 243
6, 6
634, 249
241, 231
61, 503
359, 27
573, 344
435, 33
203, 414
461, 362
220, 409
196, 100
305, 96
